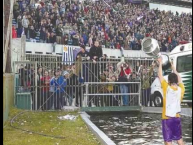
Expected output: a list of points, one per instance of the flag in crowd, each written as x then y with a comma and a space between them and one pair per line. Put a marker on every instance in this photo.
68, 55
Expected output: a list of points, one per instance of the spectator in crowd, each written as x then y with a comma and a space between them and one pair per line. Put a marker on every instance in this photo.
25, 24
146, 74
110, 77
134, 88
22, 76
19, 26
60, 84
83, 52
32, 86
76, 39
69, 93
14, 32
46, 100
124, 73
16, 10
52, 88
82, 57
43, 35
59, 34
96, 53
32, 34
65, 39
39, 83
72, 88
52, 39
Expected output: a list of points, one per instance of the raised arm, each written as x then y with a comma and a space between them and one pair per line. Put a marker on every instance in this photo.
160, 71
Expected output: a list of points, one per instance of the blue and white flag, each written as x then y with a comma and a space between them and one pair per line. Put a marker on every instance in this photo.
68, 55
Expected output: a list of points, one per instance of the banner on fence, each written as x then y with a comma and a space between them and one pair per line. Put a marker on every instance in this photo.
68, 55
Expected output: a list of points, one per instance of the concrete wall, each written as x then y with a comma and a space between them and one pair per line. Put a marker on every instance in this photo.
8, 94
47, 48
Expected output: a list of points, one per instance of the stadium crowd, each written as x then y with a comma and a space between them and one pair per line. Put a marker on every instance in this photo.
114, 25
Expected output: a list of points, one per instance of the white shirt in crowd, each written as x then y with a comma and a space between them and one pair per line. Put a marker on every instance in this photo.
25, 22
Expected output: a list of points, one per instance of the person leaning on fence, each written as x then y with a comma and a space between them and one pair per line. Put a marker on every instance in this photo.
145, 83
81, 59
60, 84
83, 52
173, 93
96, 53
124, 73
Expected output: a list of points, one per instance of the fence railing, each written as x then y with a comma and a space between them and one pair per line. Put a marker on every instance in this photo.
49, 85
108, 94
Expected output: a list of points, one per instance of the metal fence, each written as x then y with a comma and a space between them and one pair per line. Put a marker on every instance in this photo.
47, 83
108, 94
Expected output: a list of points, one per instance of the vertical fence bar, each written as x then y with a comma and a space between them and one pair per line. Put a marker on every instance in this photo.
86, 96
139, 101
36, 95
15, 83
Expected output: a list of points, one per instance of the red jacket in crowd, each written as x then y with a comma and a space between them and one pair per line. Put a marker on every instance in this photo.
86, 9
45, 83
118, 46
127, 71
14, 33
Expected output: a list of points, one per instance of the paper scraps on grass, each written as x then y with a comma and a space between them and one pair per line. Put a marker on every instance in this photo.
68, 117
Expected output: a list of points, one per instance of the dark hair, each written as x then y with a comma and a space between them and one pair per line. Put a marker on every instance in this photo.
39, 68
82, 46
105, 55
173, 78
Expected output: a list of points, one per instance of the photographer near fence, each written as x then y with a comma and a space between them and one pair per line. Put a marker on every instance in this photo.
124, 73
